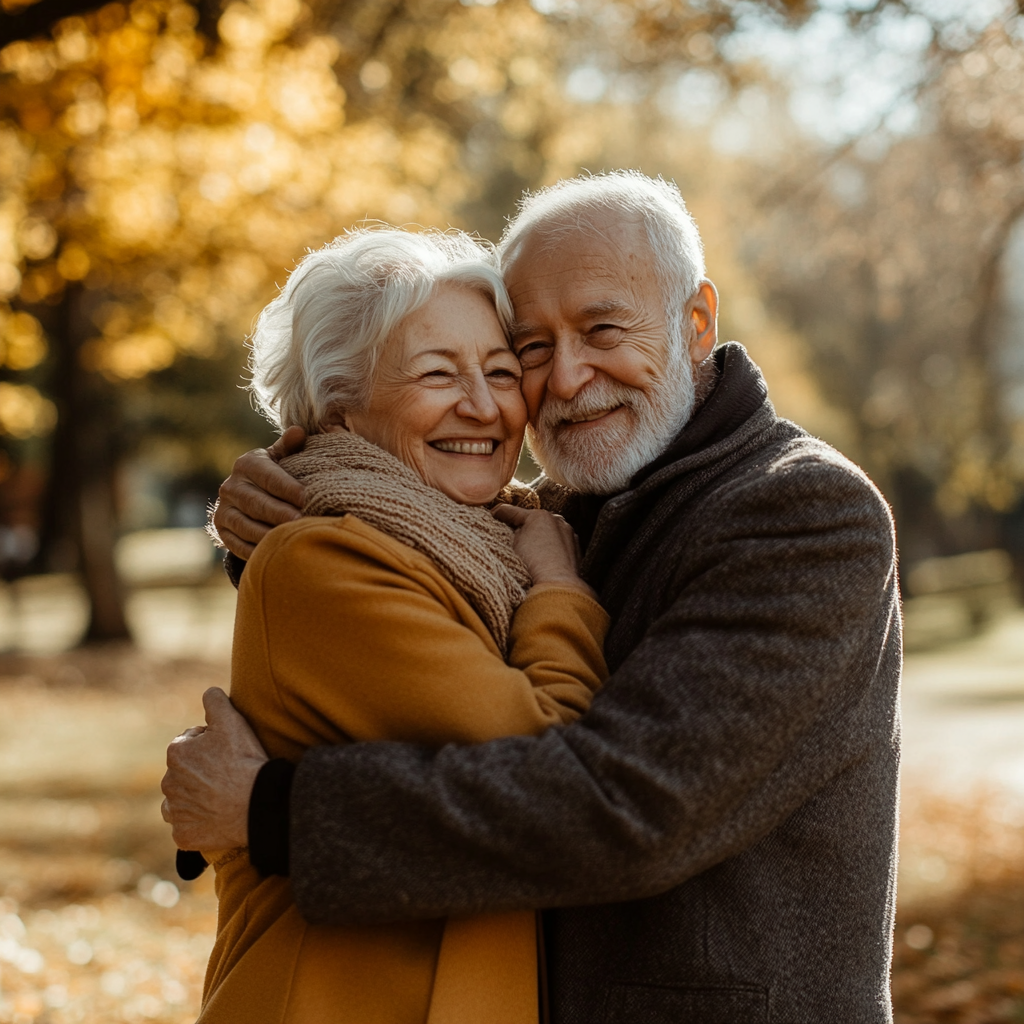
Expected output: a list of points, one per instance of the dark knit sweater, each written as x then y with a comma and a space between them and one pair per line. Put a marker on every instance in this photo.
719, 830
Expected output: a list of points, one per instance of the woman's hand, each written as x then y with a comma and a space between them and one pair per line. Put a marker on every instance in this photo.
547, 545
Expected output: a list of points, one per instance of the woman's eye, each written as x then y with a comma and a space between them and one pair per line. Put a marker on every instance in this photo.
437, 373
503, 372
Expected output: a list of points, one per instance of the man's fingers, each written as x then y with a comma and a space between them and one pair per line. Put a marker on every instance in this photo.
511, 514
291, 442
192, 731
230, 519
253, 499
236, 545
266, 474
217, 705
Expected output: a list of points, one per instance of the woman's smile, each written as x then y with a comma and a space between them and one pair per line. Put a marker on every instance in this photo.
466, 447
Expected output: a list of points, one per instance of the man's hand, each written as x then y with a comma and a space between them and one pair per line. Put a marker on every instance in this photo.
259, 495
210, 773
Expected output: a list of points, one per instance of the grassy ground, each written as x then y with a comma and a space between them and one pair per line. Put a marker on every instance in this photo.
95, 927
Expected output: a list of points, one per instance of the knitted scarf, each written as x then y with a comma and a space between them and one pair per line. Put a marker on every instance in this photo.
344, 473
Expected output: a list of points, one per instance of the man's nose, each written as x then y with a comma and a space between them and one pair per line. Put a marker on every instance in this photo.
569, 372
477, 402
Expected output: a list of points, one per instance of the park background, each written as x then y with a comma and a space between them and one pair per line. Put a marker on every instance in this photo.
855, 167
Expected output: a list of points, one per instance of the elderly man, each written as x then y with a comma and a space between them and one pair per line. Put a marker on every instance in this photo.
714, 841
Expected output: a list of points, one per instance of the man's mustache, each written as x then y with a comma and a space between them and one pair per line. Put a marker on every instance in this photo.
596, 397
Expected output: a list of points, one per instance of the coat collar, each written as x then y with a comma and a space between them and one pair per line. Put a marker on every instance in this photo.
736, 411
737, 408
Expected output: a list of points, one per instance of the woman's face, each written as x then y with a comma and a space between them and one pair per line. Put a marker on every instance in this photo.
447, 400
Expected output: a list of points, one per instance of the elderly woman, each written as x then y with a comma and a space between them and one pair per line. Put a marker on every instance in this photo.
400, 608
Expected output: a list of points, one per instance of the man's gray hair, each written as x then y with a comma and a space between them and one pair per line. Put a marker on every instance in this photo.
316, 347
658, 204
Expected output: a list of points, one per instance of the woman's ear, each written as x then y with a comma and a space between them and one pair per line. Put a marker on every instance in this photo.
335, 421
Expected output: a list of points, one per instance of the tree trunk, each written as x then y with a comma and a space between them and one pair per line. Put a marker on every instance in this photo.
81, 509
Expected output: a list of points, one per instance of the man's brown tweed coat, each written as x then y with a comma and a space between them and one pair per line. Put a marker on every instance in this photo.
719, 830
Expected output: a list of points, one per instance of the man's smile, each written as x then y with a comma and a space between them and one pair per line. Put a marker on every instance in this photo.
591, 416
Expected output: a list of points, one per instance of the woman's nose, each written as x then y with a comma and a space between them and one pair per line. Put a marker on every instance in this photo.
477, 402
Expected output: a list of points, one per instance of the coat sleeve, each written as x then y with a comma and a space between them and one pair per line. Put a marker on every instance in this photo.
764, 679
371, 644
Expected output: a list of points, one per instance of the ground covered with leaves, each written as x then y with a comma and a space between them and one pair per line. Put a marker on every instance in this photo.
95, 927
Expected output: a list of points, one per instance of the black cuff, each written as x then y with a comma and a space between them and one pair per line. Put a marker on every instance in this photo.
269, 812
234, 567
190, 864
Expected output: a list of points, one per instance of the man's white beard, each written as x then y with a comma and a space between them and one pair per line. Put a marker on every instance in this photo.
602, 459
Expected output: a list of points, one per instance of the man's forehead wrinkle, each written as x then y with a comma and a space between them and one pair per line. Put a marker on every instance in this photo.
605, 306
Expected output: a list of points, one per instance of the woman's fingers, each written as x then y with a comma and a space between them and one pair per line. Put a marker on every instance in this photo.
511, 514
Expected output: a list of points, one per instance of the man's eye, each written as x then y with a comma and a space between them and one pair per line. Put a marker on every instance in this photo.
533, 353
604, 335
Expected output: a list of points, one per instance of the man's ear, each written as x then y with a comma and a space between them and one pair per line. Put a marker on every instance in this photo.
702, 316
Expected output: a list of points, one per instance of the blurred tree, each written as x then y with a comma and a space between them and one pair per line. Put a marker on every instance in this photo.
157, 175
888, 263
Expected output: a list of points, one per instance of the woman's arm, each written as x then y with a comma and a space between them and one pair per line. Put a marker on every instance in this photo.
365, 637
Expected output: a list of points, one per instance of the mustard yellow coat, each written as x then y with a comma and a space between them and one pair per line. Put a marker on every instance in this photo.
343, 633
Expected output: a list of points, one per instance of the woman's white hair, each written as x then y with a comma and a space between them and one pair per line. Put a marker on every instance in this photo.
563, 208
316, 347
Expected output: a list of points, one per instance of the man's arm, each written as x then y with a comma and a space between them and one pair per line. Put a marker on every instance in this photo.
766, 679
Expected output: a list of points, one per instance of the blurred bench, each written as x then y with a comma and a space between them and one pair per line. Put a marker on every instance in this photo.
956, 596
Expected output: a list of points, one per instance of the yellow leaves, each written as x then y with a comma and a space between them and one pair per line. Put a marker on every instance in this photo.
10, 280
74, 43
172, 61
24, 412
241, 27
518, 117
86, 115
309, 99
39, 284
73, 263
11, 213
22, 345
253, 27
141, 215
374, 76
36, 238
191, 333
32, 63
128, 357
128, 45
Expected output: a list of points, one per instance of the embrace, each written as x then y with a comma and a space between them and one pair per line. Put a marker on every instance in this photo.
620, 747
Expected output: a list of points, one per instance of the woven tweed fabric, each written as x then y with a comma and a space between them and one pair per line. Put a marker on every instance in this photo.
344, 473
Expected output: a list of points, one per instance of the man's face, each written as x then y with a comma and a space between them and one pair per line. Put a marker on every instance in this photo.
606, 385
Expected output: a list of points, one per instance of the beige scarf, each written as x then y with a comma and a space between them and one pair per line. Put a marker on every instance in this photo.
344, 473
